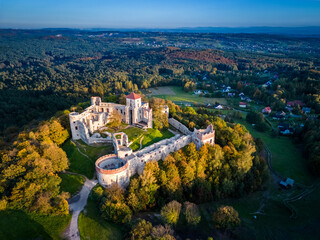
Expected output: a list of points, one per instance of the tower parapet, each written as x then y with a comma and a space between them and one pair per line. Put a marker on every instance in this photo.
204, 136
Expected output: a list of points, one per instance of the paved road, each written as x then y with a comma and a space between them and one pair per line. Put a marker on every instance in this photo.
77, 207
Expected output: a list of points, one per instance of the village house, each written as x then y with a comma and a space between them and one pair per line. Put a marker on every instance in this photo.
242, 104
266, 110
218, 106
231, 95
291, 104
285, 129
279, 115
306, 110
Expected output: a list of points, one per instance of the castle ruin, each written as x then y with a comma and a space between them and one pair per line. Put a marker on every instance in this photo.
95, 117
124, 163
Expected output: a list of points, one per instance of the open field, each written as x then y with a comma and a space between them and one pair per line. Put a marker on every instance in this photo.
71, 183
93, 226
95, 151
161, 91
274, 222
16, 224
181, 96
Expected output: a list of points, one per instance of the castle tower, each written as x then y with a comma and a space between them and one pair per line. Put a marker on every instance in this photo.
203, 136
133, 100
133, 103
74, 125
95, 101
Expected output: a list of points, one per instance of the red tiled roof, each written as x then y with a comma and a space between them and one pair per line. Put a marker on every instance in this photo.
242, 103
133, 96
296, 102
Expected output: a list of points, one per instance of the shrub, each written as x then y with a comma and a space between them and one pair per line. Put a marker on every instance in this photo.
226, 217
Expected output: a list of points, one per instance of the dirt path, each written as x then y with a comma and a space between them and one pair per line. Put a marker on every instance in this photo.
78, 202
141, 143
76, 207
287, 201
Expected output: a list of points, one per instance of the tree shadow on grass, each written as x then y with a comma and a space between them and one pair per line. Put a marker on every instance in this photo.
15, 224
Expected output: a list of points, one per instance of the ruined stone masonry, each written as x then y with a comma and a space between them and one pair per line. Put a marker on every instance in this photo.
96, 116
119, 167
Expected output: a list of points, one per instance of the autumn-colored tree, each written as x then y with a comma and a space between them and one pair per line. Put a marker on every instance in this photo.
141, 231
161, 232
226, 217
171, 212
191, 213
28, 174
160, 119
115, 119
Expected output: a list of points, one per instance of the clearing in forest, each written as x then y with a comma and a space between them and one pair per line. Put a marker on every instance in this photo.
161, 91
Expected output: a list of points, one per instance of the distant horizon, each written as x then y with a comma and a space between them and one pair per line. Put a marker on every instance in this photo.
298, 31
181, 27
164, 14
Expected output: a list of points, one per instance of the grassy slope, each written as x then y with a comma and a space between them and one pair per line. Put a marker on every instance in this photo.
92, 226
287, 159
71, 183
16, 224
133, 132
276, 222
79, 163
182, 96
151, 136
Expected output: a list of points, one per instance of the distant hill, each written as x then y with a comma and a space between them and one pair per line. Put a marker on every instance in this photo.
294, 31
289, 31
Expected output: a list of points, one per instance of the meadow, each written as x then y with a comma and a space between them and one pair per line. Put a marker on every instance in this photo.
179, 96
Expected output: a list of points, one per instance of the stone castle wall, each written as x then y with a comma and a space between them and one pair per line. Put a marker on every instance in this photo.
179, 126
160, 150
155, 152
119, 174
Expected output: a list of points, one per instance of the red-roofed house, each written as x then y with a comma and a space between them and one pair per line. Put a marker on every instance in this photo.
266, 110
295, 102
242, 104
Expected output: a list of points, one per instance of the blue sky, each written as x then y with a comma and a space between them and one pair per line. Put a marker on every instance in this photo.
158, 14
